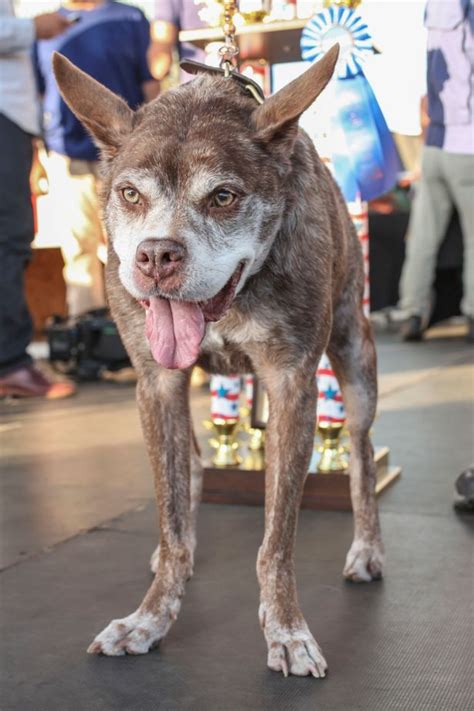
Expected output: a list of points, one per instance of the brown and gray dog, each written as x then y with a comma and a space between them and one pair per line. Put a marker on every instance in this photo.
230, 246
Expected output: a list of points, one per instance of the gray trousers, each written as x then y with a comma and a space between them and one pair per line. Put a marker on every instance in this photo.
447, 181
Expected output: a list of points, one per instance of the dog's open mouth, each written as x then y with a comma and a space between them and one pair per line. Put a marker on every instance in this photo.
175, 329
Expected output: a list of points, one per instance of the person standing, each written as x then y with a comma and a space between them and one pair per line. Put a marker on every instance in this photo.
19, 124
109, 40
447, 172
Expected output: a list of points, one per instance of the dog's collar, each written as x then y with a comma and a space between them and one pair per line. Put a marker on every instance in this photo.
247, 84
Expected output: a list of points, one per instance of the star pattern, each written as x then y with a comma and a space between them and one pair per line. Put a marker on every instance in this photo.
330, 393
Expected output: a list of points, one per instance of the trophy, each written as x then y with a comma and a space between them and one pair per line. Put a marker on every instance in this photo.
225, 420
332, 457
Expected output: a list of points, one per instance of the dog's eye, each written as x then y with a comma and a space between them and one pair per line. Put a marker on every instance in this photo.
131, 195
223, 198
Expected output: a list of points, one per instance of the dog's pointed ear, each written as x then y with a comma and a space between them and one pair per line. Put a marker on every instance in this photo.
277, 118
105, 115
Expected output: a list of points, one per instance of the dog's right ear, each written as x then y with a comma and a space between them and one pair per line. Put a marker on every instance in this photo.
106, 116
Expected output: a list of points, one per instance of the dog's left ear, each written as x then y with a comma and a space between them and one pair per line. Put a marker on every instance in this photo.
107, 117
276, 120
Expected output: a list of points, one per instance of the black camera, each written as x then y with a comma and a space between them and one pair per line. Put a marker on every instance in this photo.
87, 345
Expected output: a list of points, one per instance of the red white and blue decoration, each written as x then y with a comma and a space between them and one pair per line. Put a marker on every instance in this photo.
225, 396
364, 158
330, 405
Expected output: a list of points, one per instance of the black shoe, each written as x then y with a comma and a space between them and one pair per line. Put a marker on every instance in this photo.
470, 330
412, 329
464, 500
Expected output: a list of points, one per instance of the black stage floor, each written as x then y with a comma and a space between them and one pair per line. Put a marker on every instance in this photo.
78, 525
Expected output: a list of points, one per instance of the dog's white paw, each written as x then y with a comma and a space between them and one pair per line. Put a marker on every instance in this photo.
292, 650
301, 657
135, 634
364, 562
154, 560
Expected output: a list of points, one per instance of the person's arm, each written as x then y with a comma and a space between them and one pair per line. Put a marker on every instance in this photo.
150, 86
424, 116
164, 38
18, 34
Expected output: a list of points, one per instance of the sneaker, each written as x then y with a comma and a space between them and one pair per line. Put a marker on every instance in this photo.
413, 330
464, 499
30, 382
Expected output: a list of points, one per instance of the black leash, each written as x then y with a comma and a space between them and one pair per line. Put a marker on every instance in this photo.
249, 85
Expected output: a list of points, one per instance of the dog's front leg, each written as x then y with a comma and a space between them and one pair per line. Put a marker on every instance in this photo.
164, 410
196, 493
290, 434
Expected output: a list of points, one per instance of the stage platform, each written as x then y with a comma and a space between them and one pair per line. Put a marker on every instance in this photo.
78, 525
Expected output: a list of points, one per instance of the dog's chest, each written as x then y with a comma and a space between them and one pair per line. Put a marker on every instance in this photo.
233, 333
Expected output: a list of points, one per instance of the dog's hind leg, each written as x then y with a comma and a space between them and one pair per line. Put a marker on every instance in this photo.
351, 350
196, 492
290, 435
164, 409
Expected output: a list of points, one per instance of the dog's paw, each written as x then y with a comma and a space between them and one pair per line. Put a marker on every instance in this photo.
155, 559
292, 650
135, 634
364, 562
301, 657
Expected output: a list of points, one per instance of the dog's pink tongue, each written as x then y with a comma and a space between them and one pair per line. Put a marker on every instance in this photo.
174, 330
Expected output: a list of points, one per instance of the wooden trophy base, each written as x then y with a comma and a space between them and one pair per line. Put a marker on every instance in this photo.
245, 484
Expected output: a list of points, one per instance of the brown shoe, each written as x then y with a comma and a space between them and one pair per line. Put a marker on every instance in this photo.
30, 382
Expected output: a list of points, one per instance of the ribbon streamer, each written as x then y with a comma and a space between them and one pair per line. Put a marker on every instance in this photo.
364, 156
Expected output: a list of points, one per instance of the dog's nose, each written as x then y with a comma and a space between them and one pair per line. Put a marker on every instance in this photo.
159, 257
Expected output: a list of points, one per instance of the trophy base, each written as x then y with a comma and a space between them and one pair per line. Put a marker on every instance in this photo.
330, 491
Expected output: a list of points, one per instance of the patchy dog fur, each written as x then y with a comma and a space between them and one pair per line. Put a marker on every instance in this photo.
300, 292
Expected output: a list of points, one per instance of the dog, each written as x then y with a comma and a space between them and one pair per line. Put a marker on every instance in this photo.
230, 246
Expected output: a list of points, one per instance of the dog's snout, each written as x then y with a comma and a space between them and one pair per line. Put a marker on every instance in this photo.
159, 257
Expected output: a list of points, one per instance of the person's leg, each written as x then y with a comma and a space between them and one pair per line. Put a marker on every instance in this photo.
431, 212
73, 190
16, 235
459, 170
19, 377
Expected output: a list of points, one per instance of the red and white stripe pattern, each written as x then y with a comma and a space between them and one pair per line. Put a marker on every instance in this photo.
225, 396
248, 389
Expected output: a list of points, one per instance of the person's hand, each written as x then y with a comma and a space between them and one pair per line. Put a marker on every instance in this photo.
50, 24
38, 177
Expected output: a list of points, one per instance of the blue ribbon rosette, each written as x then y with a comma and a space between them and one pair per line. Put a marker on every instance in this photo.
366, 163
